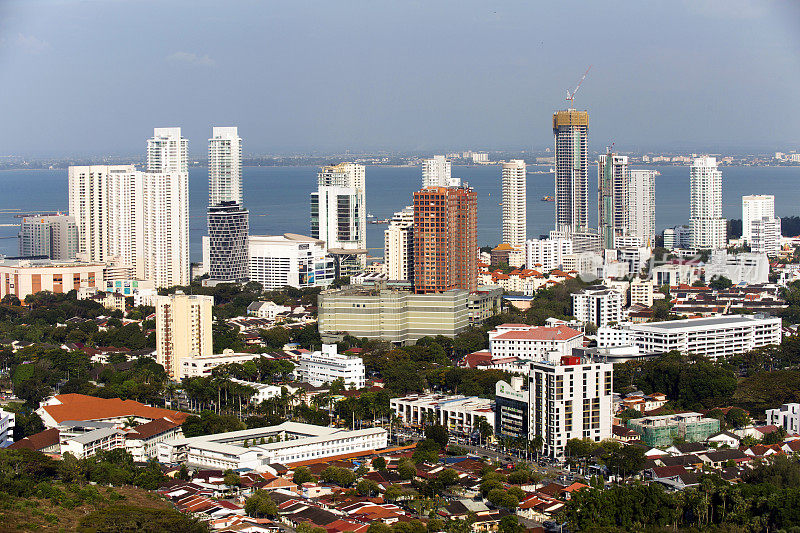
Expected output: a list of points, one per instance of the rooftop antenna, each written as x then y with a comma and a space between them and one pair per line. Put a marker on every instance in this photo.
571, 95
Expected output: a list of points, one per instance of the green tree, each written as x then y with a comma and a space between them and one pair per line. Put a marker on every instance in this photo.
302, 475
367, 487
437, 433
720, 283
379, 463
260, 505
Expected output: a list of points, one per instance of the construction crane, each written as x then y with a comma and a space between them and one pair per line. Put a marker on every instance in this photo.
571, 95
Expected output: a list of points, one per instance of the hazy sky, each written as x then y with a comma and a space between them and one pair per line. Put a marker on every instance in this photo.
93, 77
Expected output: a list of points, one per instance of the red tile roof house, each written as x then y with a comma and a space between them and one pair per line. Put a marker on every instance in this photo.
142, 441
46, 441
80, 407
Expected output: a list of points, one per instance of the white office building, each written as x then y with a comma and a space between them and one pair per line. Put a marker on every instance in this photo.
287, 443
224, 166
533, 342
599, 306
7, 420
436, 172
750, 268
51, 236
642, 206
569, 398
548, 253
514, 202
755, 207
705, 206
398, 245
277, 261
713, 337
459, 414
765, 236
787, 416
323, 367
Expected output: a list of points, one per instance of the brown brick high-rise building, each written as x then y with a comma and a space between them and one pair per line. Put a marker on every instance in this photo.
445, 239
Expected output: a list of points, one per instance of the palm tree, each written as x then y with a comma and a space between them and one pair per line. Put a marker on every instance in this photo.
536, 443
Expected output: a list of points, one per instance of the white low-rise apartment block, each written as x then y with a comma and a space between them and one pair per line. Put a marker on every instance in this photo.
255, 449
566, 398
277, 261
786, 416
262, 392
548, 254
268, 310
533, 342
203, 365
713, 337
87, 444
460, 414
642, 291
322, 367
599, 306
7, 421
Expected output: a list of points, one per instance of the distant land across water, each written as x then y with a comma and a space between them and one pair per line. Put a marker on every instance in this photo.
278, 197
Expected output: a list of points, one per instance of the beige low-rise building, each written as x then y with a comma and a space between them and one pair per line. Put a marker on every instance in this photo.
22, 277
393, 315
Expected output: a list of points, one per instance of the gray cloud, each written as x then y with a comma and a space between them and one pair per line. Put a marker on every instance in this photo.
192, 59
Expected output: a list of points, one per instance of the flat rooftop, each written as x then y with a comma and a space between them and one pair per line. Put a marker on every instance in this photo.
727, 320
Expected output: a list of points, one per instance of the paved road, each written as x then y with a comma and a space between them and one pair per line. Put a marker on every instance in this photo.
491, 454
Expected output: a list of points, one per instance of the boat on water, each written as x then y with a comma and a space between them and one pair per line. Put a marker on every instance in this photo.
370, 215
548, 199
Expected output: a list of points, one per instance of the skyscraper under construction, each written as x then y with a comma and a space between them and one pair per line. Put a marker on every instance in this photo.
570, 128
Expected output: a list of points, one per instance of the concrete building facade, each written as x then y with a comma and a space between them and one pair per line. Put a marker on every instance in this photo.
183, 330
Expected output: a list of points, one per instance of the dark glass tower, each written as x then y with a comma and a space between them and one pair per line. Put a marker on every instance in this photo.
228, 229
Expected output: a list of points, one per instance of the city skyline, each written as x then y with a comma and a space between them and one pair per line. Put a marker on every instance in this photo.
722, 91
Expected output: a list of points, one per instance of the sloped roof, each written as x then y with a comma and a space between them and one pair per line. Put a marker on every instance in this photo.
82, 407
37, 441
541, 333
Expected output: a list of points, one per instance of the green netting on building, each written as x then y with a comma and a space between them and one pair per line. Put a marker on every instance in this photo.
660, 436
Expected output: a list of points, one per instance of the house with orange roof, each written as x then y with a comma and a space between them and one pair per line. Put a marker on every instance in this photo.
79, 407
533, 342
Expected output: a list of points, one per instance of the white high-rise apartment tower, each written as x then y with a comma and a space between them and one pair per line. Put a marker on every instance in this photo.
224, 166
165, 242
436, 172
642, 206
570, 129
398, 245
705, 208
167, 151
138, 220
228, 221
755, 207
338, 208
514, 202
612, 198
